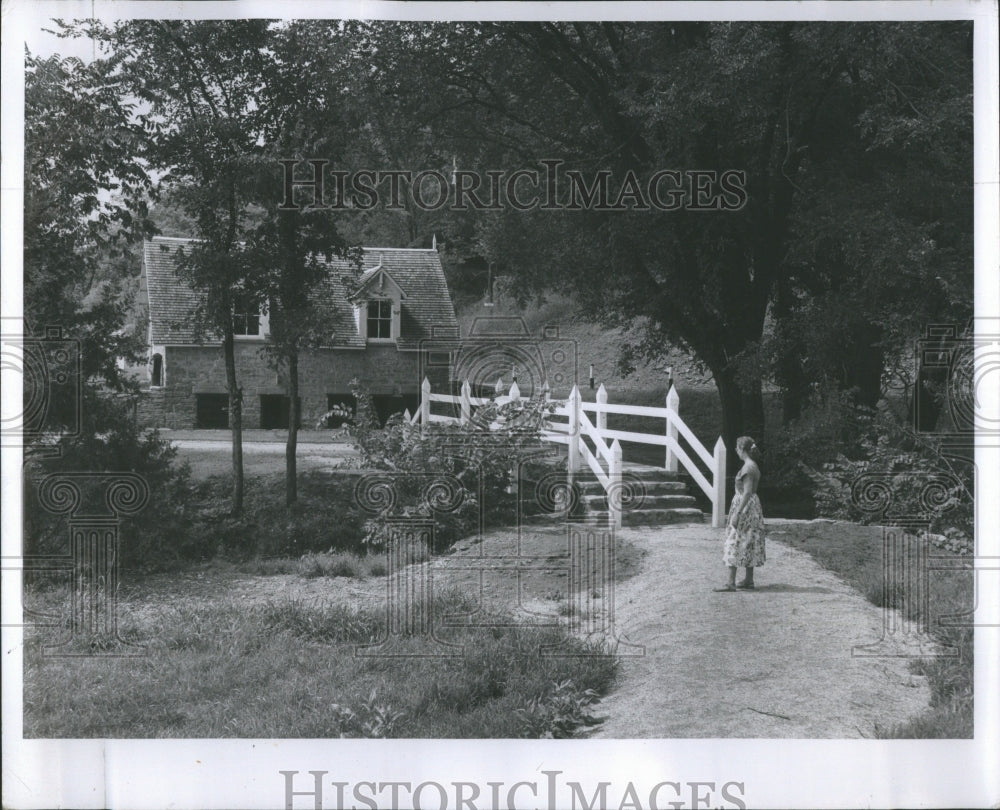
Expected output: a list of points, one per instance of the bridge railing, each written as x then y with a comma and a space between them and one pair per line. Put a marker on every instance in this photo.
570, 424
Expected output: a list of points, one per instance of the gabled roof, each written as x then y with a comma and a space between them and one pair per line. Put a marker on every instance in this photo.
427, 311
373, 282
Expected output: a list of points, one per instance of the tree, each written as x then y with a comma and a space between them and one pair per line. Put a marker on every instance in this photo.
882, 240
827, 121
84, 209
293, 245
198, 83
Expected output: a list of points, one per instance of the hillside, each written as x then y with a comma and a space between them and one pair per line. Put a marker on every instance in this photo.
595, 345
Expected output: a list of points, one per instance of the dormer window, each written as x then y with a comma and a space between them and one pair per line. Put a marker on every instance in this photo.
380, 320
378, 306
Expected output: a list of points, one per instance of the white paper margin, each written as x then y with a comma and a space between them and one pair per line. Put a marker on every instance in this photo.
776, 773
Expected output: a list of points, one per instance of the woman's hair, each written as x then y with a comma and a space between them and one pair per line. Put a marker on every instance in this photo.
749, 446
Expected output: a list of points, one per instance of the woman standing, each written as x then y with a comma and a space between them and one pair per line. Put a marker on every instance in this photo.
745, 536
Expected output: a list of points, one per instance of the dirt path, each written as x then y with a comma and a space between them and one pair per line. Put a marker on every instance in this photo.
775, 662
262, 454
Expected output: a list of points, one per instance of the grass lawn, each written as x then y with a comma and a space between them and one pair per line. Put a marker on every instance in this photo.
276, 657
855, 553
290, 669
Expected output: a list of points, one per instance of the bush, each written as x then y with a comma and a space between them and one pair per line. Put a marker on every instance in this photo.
559, 713
162, 532
482, 457
339, 564
866, 466
324, 518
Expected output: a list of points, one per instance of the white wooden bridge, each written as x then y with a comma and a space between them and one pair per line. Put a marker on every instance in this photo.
587, 439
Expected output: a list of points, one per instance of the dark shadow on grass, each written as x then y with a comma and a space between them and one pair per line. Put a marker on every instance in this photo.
780, 587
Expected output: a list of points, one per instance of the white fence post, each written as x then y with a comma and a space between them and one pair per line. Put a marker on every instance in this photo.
515, 392
573, 407
615, 486
425, 405
407, 416
466, 405
546, 391
719, 485
673, 408
602, 415
498, 388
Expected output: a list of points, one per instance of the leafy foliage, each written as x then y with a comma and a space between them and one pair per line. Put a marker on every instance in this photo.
85, 187
160, 533
856, 143
839, 447
558, 714
372, 718
483, 456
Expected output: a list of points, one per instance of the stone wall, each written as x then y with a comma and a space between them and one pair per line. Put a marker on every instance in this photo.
193, 370
149, 407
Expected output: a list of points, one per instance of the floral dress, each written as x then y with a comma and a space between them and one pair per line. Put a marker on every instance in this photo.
745, 542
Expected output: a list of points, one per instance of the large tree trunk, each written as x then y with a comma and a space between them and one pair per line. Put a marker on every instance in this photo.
731, 399
235, 422
291, 481
864, 374
742, 412
753, 409
791, 376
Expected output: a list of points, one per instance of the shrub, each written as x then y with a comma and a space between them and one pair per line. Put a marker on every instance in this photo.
482, 456
559, 713
164, 531
371, 719
838, 447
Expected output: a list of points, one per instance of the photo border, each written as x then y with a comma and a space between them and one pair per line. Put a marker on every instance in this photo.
246, 773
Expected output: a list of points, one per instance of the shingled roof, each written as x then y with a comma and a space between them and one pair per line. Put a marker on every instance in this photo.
427, 311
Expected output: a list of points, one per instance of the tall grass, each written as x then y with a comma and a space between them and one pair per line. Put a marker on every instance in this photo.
291, 669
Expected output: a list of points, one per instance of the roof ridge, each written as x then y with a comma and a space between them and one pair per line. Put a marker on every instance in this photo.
410, 250
161, 238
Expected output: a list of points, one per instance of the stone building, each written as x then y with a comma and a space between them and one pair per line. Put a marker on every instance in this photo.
396, 327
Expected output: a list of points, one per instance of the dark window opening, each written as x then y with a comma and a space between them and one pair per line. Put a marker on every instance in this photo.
156, 378
387, 405
380, 319
211, 411
246, 324
246, 317
341, 408
274, 411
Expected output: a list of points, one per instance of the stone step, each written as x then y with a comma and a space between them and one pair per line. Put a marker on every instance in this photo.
646, 501
636, 473
651, 474
647, 517
649, 487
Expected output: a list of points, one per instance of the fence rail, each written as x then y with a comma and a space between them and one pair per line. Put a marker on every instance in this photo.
605, 460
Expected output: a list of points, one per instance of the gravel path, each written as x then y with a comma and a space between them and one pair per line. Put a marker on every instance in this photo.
775, 662
212, 456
